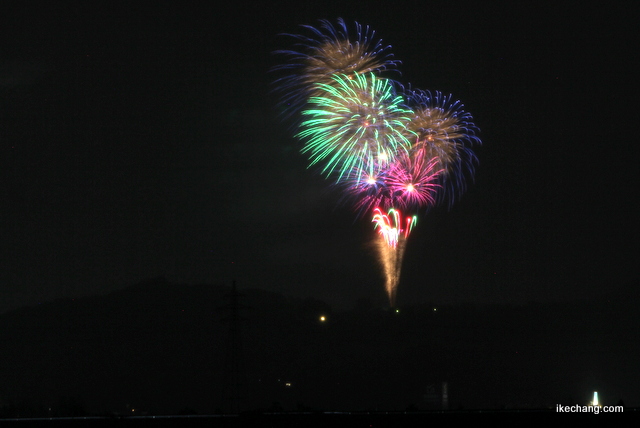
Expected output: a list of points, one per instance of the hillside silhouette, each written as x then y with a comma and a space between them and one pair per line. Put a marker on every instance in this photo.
163, 348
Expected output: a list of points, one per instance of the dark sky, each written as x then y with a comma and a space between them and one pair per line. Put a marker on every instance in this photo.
139, 142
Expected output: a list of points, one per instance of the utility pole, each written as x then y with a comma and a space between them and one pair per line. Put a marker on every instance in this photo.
231, 394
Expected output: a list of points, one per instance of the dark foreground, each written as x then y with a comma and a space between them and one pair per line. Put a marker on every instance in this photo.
364, 420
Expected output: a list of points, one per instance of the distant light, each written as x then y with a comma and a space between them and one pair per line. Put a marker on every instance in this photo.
397, 311
323, 318
595, 398
435, 309
288, 384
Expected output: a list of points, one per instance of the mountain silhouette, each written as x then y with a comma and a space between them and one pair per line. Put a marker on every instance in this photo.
164, 348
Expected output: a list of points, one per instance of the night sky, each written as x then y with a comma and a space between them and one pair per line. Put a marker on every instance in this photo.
142, 142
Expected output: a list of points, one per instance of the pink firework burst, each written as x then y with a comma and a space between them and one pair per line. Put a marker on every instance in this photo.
413, 179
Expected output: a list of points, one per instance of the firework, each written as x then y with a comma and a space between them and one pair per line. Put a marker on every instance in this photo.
412, 180
329, 50
446, 132
393, 231
368, 189
386, 150
391, 226
359, 123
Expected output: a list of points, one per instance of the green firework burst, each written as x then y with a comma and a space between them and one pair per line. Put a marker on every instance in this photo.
357, 122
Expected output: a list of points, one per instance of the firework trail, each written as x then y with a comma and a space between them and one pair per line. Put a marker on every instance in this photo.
393, 232
388, 149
